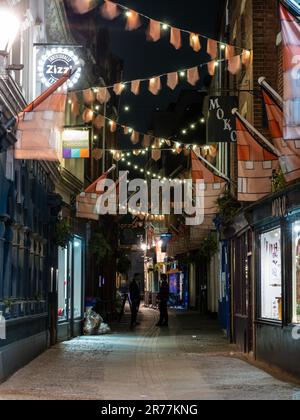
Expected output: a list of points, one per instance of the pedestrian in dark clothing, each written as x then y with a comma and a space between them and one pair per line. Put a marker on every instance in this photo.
134, 300
163, 302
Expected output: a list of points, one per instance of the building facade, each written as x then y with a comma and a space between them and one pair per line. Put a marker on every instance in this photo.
262, 242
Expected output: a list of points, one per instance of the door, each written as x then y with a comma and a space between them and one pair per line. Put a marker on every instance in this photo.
242, 290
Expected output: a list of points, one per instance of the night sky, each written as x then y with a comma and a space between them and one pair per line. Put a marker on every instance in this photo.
144, 59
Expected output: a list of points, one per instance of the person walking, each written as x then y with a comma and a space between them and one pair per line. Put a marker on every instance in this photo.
134, 300
163, 302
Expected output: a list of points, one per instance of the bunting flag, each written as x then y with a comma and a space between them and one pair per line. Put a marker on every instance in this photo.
110, 10
88, 97
154, 31
82, 6
103, 95
86, 201
211, 67
133, 21
256, 166
195, 42
175, 38
135, 137
212, 48
193, 76
235, 64
118, 88
135, 87
214, 185
172, 81
289, 149
291, 52
40, 125
155, 85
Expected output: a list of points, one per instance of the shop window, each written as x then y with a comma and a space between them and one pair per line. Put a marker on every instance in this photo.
296, 273
78, 249
62, 284
271, 275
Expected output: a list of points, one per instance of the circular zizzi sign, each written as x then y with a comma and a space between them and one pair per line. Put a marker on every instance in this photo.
57, 62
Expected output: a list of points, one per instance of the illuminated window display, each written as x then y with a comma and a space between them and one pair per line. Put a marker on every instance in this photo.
271, 275
296, 272
70, 275
62, 284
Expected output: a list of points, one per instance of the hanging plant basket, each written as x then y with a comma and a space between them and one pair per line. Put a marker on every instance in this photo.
62, 233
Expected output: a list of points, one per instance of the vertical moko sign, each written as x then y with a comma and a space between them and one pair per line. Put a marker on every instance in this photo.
221, 126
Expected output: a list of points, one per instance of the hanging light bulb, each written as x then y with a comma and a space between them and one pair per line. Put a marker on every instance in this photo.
182, 74
223, 46
165, 26
128, 13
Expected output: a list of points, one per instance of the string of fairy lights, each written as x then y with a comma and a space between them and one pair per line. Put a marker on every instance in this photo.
129, 12
182, 72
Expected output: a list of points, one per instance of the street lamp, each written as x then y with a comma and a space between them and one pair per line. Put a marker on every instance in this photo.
9, 28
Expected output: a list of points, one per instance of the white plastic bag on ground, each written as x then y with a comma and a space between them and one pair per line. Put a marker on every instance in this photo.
92, 322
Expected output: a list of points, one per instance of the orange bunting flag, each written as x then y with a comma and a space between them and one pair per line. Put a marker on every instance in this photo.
212, 48
172, 80
146, 140
154, 31
118, 88
133, 21
213, 185
234, 64
97, 154
193, 76
110, 10
155, 85
229, 52
246, 57
175, 38
113, 126
135, 87
99, 122
88, 97
88, 115
291, 52
256, 166
211, 67
103, 95
289, 149
82, 6
195, 42
86, 202
117, 156
135, 137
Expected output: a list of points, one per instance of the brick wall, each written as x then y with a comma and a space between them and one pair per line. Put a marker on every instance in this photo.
266, 57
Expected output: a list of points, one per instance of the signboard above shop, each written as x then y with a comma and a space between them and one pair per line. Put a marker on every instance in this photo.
221, 125
76, 144
56, 62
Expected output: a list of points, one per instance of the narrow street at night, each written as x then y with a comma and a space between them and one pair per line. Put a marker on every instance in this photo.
149, 203
189, 361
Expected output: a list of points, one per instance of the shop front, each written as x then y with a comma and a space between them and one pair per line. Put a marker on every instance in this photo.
70, 289
276, 223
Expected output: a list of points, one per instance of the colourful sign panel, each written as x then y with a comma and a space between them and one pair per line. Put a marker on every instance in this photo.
76, 144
